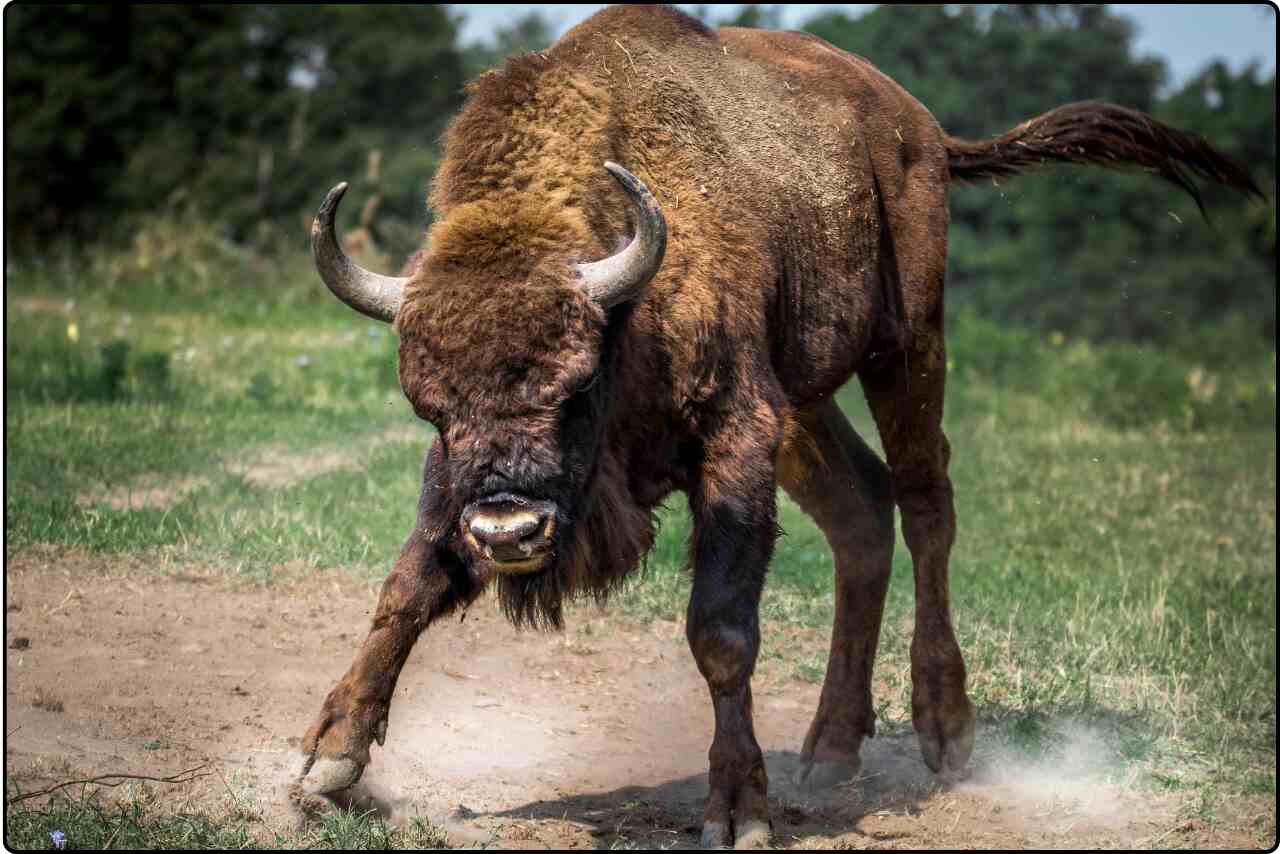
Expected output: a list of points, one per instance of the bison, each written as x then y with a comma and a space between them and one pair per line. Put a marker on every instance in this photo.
584, 352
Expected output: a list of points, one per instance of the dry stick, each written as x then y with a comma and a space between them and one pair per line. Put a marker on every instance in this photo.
112, 837
856, 780
181, 777
235, 800
1152, 842
65, 600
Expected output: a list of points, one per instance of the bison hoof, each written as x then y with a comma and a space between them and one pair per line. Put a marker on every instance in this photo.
715, 834
326, 775
824, 773
752, 836
946, 750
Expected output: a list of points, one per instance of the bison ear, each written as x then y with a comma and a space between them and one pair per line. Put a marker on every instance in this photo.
621, 278
369, 293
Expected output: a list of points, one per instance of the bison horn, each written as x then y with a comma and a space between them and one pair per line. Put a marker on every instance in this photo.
621, 277
369, 293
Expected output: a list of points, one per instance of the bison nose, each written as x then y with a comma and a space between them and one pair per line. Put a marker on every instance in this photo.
510, 531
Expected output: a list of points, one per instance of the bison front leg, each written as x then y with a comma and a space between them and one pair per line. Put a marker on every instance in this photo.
734, 528
419, 589
425, 583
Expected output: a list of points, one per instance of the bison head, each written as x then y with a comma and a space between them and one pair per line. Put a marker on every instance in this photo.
504, 343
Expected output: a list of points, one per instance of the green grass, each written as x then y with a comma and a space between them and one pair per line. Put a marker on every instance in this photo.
1116, 558
140, 820
112, 387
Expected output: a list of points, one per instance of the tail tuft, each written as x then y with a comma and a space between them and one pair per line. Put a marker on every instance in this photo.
1100, 134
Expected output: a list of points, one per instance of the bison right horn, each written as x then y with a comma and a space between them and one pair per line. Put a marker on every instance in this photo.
621, 277
369, 293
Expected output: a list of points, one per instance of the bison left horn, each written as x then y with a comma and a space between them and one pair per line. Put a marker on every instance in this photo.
621, 277
369, 293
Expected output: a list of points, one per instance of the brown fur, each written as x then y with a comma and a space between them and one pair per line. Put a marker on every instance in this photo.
805, 195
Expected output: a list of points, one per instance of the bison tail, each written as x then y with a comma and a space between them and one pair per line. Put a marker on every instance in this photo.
1100, 134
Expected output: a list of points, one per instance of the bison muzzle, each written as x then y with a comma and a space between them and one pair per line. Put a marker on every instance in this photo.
513, 533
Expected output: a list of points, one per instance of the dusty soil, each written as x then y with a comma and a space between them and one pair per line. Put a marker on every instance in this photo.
592, 738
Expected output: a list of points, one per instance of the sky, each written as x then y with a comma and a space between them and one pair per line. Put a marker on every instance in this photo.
1186, 37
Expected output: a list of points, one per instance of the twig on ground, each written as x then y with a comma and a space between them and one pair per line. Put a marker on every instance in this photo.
181, 777
856, 780
234, 798
65, 600
112, 838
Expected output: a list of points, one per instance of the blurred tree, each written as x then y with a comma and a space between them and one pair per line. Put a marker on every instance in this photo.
528, 33
754, 15
359, 79
1237, 112
248, 113
86, 86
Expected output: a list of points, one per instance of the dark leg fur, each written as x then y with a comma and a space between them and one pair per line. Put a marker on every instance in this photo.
906, 400
732, 542
846, 489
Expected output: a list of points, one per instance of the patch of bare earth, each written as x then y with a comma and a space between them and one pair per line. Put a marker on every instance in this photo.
144, 493
596, 737
272, 467
279, 467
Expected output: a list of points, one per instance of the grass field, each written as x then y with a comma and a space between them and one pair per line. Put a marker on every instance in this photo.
1115, 568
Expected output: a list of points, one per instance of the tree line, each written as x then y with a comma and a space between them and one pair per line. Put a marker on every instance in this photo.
242, 115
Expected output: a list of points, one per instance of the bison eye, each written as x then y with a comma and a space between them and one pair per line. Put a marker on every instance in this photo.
517, 369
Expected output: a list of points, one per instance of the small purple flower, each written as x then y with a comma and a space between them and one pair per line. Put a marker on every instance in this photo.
59, 839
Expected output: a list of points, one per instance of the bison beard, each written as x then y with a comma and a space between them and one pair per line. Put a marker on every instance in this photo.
608, 542
804, 195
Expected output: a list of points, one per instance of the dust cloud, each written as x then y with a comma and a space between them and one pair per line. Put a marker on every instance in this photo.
1074, 772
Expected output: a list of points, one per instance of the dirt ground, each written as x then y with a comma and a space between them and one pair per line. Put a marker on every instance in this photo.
595, 738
